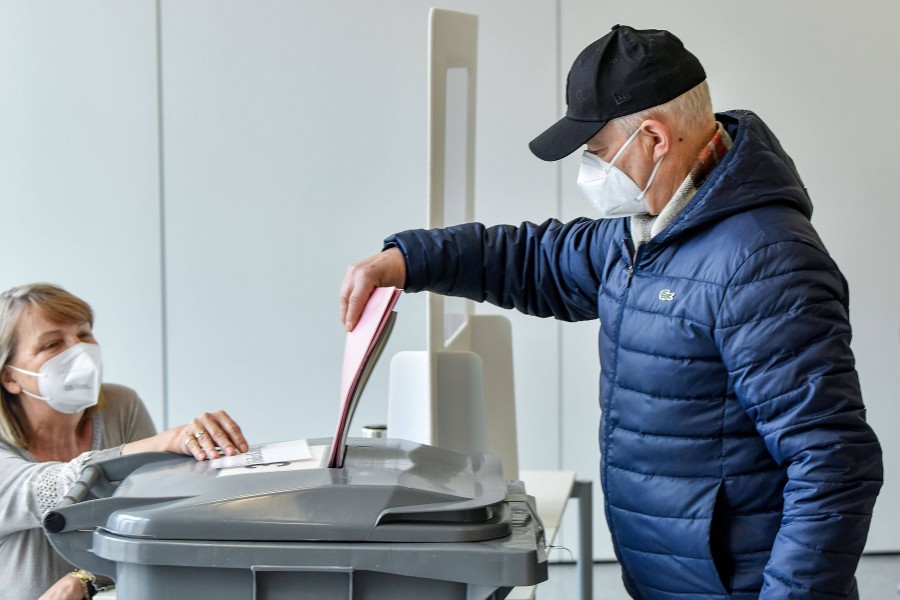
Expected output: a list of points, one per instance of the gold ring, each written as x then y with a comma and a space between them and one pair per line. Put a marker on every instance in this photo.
199, 434
187, 441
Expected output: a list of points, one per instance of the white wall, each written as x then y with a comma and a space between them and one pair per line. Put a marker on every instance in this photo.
79, 175
295, 141
203, 173
290, 139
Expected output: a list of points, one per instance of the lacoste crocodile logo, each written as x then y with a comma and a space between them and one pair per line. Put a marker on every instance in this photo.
666, 295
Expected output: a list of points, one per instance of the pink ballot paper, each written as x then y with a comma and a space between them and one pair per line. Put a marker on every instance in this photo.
362, 348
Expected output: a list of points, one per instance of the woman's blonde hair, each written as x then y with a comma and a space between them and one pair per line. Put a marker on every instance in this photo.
54, 304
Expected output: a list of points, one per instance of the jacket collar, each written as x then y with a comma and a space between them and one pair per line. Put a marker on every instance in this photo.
756, 171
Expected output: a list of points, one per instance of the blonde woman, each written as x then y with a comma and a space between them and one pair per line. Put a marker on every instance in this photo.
56, 415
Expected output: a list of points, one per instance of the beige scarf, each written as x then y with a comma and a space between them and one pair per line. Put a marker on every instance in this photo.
644, 227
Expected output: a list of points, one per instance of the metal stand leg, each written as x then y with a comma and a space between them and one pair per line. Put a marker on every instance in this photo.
583, 490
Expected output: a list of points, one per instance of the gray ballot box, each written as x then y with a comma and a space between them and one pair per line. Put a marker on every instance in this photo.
398, 520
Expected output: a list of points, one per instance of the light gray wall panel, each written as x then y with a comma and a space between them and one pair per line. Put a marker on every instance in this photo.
78, 170
293, 145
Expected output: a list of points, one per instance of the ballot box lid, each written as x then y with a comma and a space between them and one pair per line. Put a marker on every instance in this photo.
388, 490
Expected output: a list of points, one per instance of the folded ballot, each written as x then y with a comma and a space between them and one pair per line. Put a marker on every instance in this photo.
362, 347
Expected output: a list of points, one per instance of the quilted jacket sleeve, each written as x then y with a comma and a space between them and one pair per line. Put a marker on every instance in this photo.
784, 335
543, 270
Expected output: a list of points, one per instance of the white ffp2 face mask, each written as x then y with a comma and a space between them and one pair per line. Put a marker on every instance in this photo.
609, 189
70, 381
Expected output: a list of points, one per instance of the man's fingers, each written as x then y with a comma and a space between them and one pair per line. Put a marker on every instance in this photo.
355, 305
346, 290
387, 268
358, 285
343, 301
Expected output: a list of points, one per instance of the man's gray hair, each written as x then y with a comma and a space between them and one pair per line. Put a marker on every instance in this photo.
691, 110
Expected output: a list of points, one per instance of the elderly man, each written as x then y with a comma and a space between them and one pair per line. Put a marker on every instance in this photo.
736, 459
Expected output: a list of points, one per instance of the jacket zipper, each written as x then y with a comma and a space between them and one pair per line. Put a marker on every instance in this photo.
607, 406
630, 269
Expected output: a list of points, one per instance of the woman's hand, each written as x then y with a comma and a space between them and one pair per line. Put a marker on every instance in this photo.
67, 588
208, 436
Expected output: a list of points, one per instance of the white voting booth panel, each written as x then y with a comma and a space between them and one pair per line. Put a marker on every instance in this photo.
459, 393
451, 372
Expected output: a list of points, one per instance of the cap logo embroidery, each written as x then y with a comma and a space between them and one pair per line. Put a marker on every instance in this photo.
582, 95
666, 295
621, 97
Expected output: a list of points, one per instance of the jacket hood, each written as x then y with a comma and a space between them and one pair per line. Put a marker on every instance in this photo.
755, 172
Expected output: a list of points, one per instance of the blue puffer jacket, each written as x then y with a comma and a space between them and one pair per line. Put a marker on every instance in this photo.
736, 459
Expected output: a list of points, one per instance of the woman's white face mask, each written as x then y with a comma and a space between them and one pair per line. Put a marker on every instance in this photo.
609, 189
70, 381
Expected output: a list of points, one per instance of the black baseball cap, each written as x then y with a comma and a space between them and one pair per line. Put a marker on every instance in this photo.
626, 71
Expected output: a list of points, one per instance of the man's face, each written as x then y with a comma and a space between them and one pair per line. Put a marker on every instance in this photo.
637, 160
606, 142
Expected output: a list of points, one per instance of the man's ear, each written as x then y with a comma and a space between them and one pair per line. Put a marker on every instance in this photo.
658, 135
9, 382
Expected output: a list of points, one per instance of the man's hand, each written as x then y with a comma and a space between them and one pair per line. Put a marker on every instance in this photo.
385, 269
